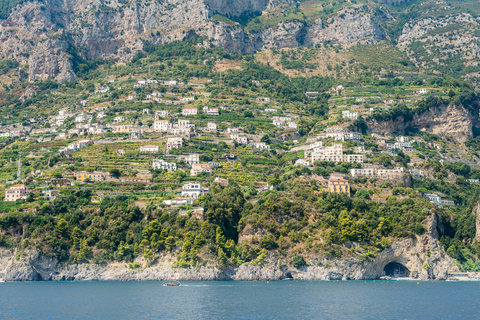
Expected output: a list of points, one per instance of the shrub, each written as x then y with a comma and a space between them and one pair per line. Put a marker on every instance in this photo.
299, 261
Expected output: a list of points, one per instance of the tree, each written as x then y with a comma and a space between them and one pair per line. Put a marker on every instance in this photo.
248, 114
299, 261
268, 242
77, 236
149, 256
170, 243
115, 173
223, 207
62, 228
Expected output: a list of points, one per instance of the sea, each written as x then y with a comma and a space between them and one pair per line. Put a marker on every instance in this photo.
241, 300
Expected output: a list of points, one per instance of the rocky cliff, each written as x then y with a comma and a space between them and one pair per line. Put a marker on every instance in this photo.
449, 121
423, 255
476, 213
39, 33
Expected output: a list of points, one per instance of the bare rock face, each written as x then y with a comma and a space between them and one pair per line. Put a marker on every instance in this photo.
285, 35
476, 213
49, 61
350, 25
38, 33
236, 7
248, 233
452, 121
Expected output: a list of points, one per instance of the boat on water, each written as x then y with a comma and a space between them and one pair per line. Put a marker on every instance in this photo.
171, 284
2, 280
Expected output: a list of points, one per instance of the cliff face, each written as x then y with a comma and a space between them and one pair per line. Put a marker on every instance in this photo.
450, 121
476, 213
39, 33
423, 256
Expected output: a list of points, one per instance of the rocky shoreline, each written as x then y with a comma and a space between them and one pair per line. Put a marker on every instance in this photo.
423, 255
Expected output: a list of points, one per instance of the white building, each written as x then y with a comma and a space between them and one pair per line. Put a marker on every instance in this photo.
233, 130
353, 158
189, 111
362, 172
350, 115
333, 153
161, 114
389, 172
438, 200
162, 125
164, 165
118, 119
210, 111
101, 90
261, 146
174, 143
270, 110
140, 84
339, 133
302, 162
263, 100
191, 159
239, 137
212, 126
199, 168
416, 173
149, 149
101, 115
83, 143
193, 190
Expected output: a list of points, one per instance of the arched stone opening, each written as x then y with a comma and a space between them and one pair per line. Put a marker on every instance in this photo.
396, 270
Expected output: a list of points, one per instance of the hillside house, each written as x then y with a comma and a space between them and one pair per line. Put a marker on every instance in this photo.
210, 111
92, 176
338, 186
390, 172
15, 192
302, 163
149, 149
189, 111
369, 172
212, 126
174, 143
162, 125
347, 114
199, 168
164, 165
193, 190
220, 181
161, 114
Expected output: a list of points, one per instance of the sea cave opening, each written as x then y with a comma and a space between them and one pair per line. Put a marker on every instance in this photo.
396, 270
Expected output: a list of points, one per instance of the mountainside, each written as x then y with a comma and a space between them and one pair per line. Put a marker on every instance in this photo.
44, 35
245, 140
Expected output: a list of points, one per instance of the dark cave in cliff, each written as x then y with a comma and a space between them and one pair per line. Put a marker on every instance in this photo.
395, 269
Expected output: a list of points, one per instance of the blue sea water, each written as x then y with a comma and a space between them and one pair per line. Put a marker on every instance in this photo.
241, 300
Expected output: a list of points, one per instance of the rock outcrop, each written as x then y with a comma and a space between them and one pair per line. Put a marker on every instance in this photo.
476, 213
39, 33
449, 121
423, 255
